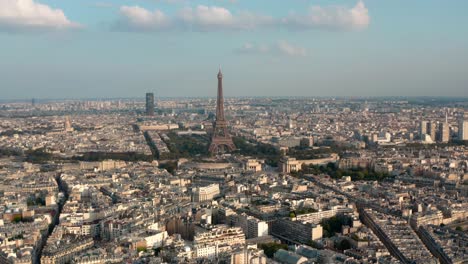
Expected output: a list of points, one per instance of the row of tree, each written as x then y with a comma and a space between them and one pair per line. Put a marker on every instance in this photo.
332, 169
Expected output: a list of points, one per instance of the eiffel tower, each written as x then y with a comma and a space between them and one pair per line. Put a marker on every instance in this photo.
221, 141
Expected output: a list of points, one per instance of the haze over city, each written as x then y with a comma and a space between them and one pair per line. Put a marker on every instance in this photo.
115, 49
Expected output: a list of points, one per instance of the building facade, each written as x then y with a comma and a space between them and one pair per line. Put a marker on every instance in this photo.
296, 231
205, 193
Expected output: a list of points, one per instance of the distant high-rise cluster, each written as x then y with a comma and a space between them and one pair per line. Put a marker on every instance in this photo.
428, 131
149, 104
434, 131
431, 131
463, 129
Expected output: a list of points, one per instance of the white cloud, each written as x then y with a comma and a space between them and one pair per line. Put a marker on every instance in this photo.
206, 18
200, 18
249, 48
332, 17
248, 20
140, 18
279, 48
27, 15
291, 50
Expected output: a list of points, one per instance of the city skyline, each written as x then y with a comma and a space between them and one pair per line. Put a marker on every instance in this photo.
343, 180
311, 48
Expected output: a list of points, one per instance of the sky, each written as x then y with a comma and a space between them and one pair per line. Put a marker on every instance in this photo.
124, 48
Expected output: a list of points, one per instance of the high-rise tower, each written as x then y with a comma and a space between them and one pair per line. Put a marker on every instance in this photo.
432, 130
221, 141
444, 132
150, 104
423, 129
463, 128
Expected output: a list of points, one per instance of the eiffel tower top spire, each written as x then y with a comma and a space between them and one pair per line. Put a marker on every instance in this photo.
220, 100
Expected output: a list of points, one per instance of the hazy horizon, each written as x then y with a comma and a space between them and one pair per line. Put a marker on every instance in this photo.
170, 98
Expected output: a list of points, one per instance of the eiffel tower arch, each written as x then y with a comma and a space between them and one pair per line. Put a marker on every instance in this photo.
221, 140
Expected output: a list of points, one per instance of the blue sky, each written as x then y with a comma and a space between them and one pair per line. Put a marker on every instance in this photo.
87, 49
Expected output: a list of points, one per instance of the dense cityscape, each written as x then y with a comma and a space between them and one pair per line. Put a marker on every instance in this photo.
234, 180
233, 132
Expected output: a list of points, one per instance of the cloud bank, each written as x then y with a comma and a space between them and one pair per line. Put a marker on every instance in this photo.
200, 18
28, 15
210, 18
332, 17
141, 19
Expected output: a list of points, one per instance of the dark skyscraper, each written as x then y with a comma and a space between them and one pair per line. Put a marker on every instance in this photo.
221, 140
444, 132
149, 104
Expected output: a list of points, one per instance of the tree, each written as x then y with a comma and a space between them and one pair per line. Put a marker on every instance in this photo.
261, 150
141, 249
343, 245
171, 167
157, 251
315, 244
271, 248
17, 219
333, 224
